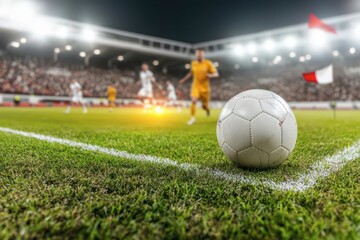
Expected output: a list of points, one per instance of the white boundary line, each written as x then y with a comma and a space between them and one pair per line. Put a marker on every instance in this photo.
319, 170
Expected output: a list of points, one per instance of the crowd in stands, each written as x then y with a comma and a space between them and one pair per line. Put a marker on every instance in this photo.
36, 76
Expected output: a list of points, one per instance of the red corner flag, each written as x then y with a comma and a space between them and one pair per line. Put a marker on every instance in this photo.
321, 76
315, 22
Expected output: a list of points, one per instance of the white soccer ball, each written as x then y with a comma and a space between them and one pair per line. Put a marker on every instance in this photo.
257, 130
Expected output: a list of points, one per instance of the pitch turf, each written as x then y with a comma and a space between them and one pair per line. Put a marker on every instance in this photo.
48, 190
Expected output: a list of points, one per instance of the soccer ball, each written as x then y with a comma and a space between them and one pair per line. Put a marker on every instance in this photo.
257, 130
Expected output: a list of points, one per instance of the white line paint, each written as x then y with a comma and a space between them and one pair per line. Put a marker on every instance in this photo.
318, 171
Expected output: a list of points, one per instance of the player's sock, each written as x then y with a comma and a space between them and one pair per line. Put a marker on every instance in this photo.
193, 109
84, 109
67, 109
191, 121
207, 110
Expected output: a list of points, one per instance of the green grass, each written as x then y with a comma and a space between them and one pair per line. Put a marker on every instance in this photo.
53, 191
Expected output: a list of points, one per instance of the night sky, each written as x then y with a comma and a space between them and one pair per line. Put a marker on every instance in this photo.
196, 20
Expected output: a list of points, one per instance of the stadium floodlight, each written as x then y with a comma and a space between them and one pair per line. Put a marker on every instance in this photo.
156, 63
82, 54
302, 59
120, 58
308, 57
23, 40
356, 30
68, 47
255, 59
336, 53
292, 54
216, 64
251, 48
187, 66
239, 50
269, 45
15, 44
352, 50
88, 35
237, 66
290, 42
97, 51
318, 39
21, 11
57, 50
41, 28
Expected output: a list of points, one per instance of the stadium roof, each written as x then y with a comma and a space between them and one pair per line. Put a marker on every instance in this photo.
195, 21
89, 38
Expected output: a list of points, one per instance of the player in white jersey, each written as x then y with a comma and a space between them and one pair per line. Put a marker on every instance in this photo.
171, 92
171, 96
76, 96
146, 79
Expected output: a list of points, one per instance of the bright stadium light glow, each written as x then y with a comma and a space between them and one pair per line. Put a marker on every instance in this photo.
89, 35
120, 58
251, 48
237, 66
336, 53
156, 63
290, 42
352, 50
302, 59
68, 47
41, 29
15, 44
239, 50
97, 51
20, 11
82, 54
255, 59
62, 32
159, 110
23, 40
216, 64
308, 57
187, 66
318, 39
269, 45
292, 55
356, 30
57, 50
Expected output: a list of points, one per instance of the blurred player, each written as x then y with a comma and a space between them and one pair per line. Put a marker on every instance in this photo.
146, 79
171, 95
76, 96
111, 92
202, 70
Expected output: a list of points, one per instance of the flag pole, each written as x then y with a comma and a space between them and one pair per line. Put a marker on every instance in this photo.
333, 106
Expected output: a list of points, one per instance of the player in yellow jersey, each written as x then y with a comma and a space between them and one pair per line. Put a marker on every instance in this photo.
202, 70
111, 92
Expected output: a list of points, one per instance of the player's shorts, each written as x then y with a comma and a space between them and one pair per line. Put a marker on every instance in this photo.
112, 99
145, 93
78, 98
203, 96
172, 97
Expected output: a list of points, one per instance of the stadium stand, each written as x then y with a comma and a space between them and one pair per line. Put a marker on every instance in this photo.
38, 76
